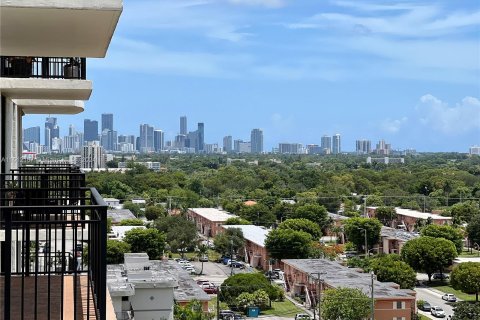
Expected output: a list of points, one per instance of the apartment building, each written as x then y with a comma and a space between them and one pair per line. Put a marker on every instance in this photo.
303, 278
209, 221
47, 217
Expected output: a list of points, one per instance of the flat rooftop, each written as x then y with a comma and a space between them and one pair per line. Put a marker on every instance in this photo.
338, 276
252, 233
123, 278
213, 214
118, 215
396, 234
417, 214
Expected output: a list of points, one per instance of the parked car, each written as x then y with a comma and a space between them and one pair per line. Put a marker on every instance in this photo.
202, 281
203, 258
449, 297
237, 264
437, 312
440, 276
425, 307
226, 314
210, 289
302, 316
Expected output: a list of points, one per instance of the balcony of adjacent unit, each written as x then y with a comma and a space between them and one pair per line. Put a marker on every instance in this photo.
45, 85
52, 245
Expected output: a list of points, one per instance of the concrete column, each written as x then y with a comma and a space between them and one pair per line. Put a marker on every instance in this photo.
386, 245
12, 153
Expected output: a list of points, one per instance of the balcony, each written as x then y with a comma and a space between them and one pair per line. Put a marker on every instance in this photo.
43, 67
53, 242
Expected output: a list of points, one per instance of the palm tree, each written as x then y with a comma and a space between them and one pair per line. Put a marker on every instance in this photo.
201, 251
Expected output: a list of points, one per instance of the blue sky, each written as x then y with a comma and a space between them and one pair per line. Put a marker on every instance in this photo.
407, 72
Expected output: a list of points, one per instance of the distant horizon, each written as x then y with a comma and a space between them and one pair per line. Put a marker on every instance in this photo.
402, 71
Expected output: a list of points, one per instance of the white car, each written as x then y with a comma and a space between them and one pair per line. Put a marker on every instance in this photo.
449, 297
437, 312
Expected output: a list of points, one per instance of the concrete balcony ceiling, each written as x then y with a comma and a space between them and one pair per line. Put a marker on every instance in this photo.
54, 89
57, 28
37, 106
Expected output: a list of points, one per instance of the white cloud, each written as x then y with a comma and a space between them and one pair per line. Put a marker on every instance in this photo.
263, 3
393, 125
451, 120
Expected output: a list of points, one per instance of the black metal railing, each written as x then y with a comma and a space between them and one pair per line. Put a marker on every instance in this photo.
43, 67
53, 259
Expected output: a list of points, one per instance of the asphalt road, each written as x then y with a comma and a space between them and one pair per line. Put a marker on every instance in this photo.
215, 272
434, 297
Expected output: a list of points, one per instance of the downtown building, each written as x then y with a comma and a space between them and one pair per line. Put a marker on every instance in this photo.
256, 141
47, 214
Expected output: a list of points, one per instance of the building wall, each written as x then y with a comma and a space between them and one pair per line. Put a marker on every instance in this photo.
152, 303
205, 226
385, 308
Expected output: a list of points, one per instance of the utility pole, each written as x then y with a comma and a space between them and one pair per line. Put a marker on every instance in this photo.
319, 293
373, 297
231, 257
366, 243
218, 302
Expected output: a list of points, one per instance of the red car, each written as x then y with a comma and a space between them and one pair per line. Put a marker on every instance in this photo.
210, 290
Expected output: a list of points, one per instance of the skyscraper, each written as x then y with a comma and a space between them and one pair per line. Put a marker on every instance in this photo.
227, 144
201, 137
158, 140
256, 140
146, 138
363, 146
31, 134
326, 144
107, 121
51, 131
336, 144
90, 130
183, 125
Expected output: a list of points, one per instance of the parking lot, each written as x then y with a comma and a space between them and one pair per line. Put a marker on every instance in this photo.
216, 272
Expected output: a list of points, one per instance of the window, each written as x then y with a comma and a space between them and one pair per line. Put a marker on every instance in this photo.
124, 298
398, 305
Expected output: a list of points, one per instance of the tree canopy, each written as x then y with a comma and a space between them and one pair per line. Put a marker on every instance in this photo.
305, 225
115, 251
154, 212
288, 244
150, 241
313, 212
428, 254
131, 222
180, 232
465, 310
345, 304
445, 231
239, 283
354, 229
230, 239
390, 268
466, 277
473, 230
386, 215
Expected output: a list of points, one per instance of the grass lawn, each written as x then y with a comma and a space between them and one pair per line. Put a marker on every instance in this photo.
445, 287
212, 305
212, 255
422, 317
282, 309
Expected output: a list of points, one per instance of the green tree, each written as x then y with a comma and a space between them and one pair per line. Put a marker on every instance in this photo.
134, 208
259, 214
465, 310
429, 255
151, 241
131, 222
354, 230
236, 221
115, 251
473, 230
345, 304
464, 211
445, 231
191, 311
223, 241
233, 286
154, 212
313, 212
181, 233
202, 251
390, 268
288, 244
386, 215
466, 277
305, 225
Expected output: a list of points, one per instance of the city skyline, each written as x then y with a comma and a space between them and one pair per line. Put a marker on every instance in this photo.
295, 70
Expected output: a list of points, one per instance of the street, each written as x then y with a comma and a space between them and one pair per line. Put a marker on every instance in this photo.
215, 272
